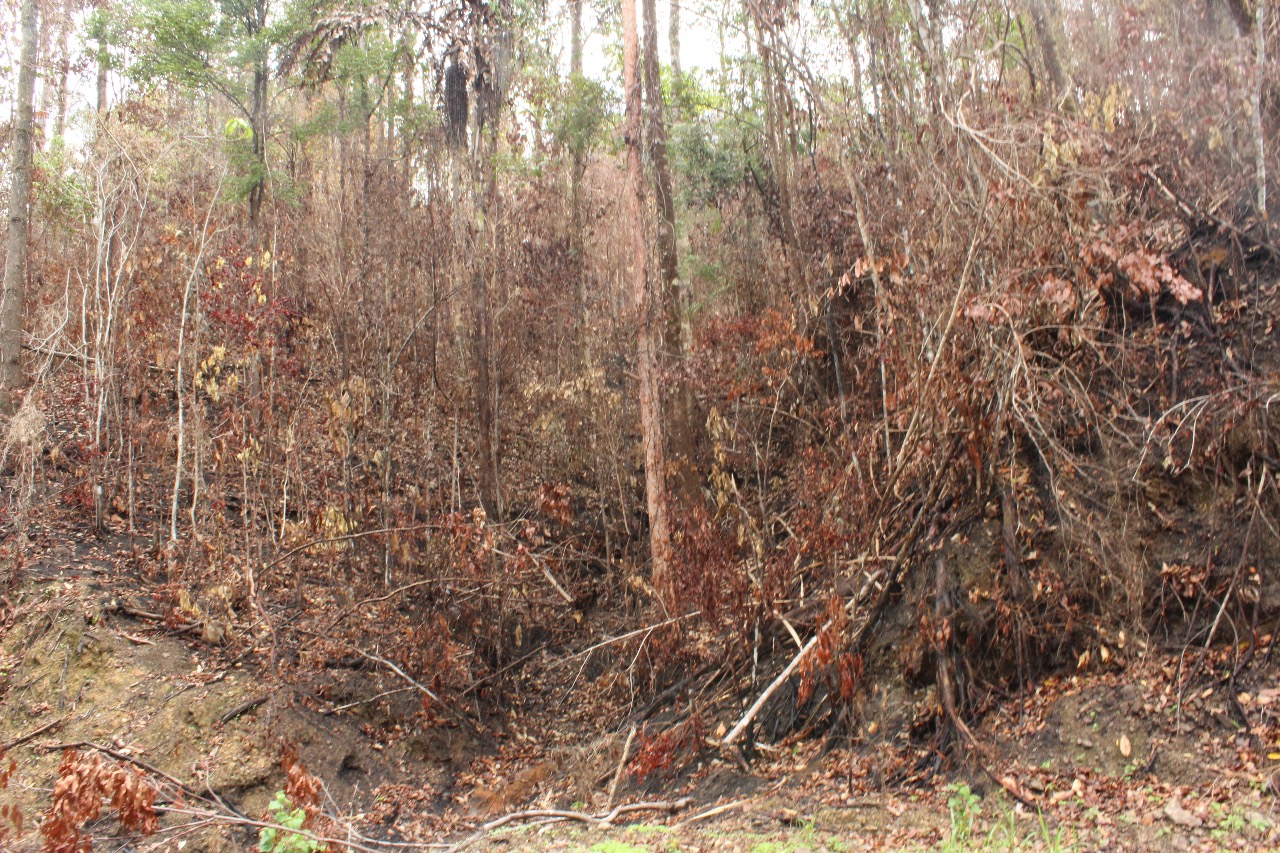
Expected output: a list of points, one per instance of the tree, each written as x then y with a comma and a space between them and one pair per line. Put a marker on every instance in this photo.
15, 262
215, 46
1043, 23
679, 338
647, 329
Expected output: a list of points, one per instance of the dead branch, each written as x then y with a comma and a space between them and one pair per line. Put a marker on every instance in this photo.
243, 707
19, 741
742, 724
604, 819
459, 716
626, 636
339, 843
622, 763
128, 759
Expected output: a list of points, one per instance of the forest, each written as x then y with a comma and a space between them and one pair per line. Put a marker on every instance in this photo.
772, 425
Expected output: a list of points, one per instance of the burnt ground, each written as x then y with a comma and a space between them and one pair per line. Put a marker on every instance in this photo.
1154, 749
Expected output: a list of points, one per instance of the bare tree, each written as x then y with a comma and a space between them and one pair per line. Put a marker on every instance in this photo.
647, 329
15, 264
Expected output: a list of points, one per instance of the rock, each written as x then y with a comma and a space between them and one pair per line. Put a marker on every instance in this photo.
1176, 813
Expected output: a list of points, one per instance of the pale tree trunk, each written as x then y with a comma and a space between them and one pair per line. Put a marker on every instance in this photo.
64, 69
675, 298
103, 66
255, 23
647, 330
673, 40
15, 265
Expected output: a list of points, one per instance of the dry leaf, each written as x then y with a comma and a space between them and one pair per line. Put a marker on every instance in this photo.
1126, 748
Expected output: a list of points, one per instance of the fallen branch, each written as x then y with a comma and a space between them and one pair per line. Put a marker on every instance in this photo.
622, 763
604, 819
427, 691
19, 741
712, 812
285, 831
626, 636
244, 707
346, 537
741, 726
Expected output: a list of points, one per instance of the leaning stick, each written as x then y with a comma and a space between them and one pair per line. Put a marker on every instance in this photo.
742, 724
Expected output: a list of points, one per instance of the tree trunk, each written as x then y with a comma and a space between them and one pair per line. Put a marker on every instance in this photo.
1259, 135
64, 69
578, 166
15, 265
679, 337
778, 135
673, 40
1042, 23
104, 61
488, 86
255, 24
646, 321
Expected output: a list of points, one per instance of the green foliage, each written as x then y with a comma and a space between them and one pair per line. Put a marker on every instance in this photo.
62, 194
709, 159
584, 116
272, 840
965, 807
616, 847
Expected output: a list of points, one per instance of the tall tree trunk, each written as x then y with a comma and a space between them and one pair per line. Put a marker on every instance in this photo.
679, 337
1259, 136
15, 263
64, 69
647, 330
778, 140
488, 85
1043, 24
104, 64
255, 24
673, 40
578, 166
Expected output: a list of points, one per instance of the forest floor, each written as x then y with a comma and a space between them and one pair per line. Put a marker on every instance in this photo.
1100, 759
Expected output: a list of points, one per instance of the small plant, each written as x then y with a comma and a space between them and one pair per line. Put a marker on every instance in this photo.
275, 840
965, 807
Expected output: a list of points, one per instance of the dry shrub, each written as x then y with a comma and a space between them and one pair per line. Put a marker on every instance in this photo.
84, 781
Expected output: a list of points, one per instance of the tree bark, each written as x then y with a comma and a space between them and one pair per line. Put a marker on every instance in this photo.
1259, 135
577, 167
104, 62
255, 23
1042, 23
679, 336
673, 40
15, 265
64, 69
489, 84
647, 330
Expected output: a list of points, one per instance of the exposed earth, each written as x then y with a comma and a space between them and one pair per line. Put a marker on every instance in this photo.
1127, 754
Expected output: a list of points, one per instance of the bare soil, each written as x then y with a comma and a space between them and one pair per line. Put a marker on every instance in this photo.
1125, 756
